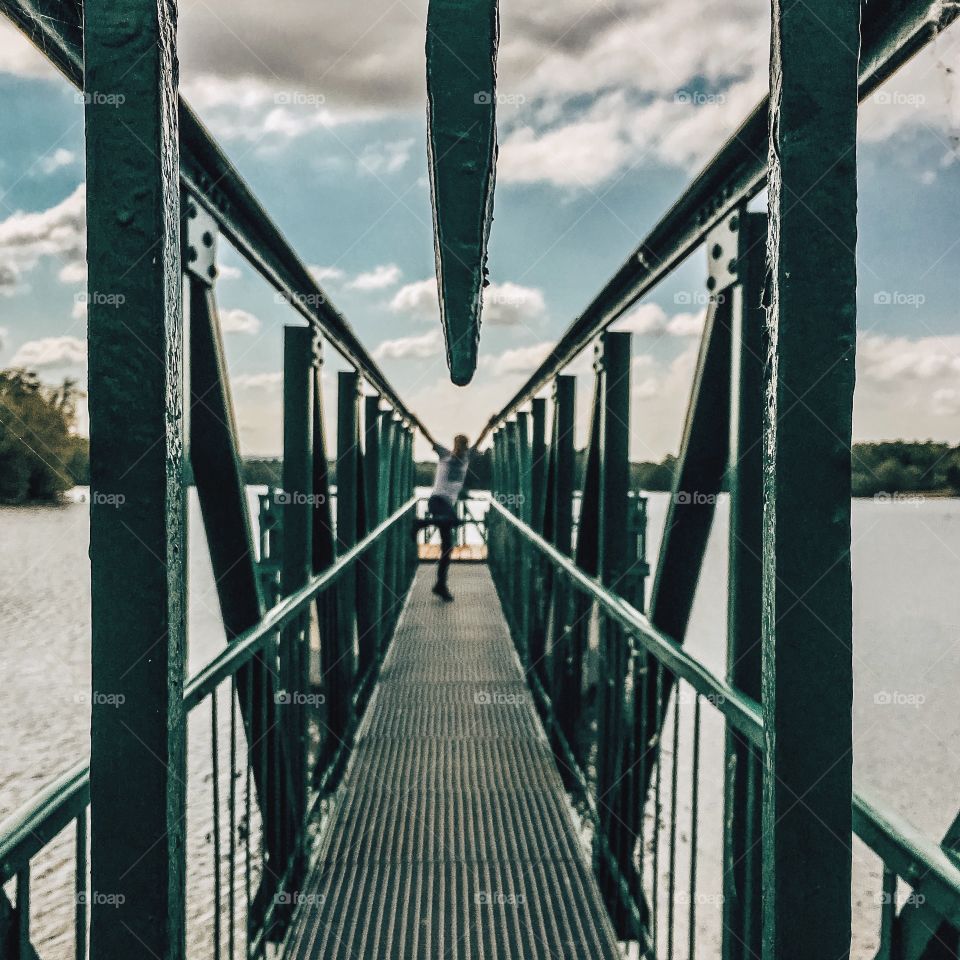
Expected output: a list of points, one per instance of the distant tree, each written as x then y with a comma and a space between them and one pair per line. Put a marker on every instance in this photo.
40, 457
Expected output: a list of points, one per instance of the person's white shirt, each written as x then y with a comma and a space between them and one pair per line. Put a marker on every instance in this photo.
451, 474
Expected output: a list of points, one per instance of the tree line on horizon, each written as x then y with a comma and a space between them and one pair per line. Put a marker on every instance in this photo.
41, 456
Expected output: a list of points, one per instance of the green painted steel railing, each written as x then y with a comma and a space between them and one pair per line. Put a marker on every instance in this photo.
626, 703
769, 420
278, 707
252, 893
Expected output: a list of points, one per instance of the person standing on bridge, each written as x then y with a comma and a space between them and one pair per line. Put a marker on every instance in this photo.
442, 505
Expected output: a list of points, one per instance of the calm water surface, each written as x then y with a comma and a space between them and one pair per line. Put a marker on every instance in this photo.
906, 560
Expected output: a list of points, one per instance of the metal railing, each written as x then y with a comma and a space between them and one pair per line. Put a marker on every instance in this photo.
272, 717
253, 888
625, 702
634, 717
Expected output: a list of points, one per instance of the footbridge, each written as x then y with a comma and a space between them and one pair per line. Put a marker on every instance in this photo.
541, 769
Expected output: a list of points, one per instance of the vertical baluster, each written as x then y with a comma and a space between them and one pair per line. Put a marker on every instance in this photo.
348, 397
641, 692
888, 915
525, 599
655, 908
232, 800
694, 830
753, 895
248, 820
80, 890
215, 758
23, 911
300, 346
672, 887
743, 234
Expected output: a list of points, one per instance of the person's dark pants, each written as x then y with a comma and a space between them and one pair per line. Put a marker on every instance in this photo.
443, 516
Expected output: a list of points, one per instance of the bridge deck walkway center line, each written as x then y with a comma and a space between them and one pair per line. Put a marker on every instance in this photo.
451, 836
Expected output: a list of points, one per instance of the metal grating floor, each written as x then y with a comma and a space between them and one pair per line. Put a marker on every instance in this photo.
451, 837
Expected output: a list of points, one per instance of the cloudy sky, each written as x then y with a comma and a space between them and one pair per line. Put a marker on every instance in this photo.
607, 110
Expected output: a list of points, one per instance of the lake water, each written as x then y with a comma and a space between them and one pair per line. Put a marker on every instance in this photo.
906, 561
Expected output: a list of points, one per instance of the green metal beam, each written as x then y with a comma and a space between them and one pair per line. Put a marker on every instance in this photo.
137, 516
619, 813
462, 40
215, 458
348, 483
55, 26
741, 240
807, 615
892, 32
300, 347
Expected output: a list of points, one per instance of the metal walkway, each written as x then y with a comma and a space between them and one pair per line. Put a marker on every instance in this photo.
452, 836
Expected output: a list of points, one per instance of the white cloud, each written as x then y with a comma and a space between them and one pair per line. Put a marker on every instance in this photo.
647, 318
385, 158
385, 275
642, 319
25, 238
51, 352
686, 324
405, 348
19, 56
56, 160
509, 304
504, 304
73, 272
888, 359
579, 154
227, 272
419, 298
239, 321
326, 274
924, 93
270, 382
907, 387
519, 359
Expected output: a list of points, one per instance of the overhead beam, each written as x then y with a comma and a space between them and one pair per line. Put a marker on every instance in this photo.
892, 32
55, 27
462, 39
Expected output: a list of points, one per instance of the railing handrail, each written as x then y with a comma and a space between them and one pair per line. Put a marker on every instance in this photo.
742, 711
38, 820
207, 173
735, 174
897, 841
32, 826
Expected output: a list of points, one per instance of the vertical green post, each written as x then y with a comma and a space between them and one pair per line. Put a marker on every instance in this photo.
392, 465
742, 888
214, 456
524, 593
373, 638
807, 619
299, 345
335, 670
538, 462
137, 513
540, 572
619, 818
560, 508
564, 401
348, 439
